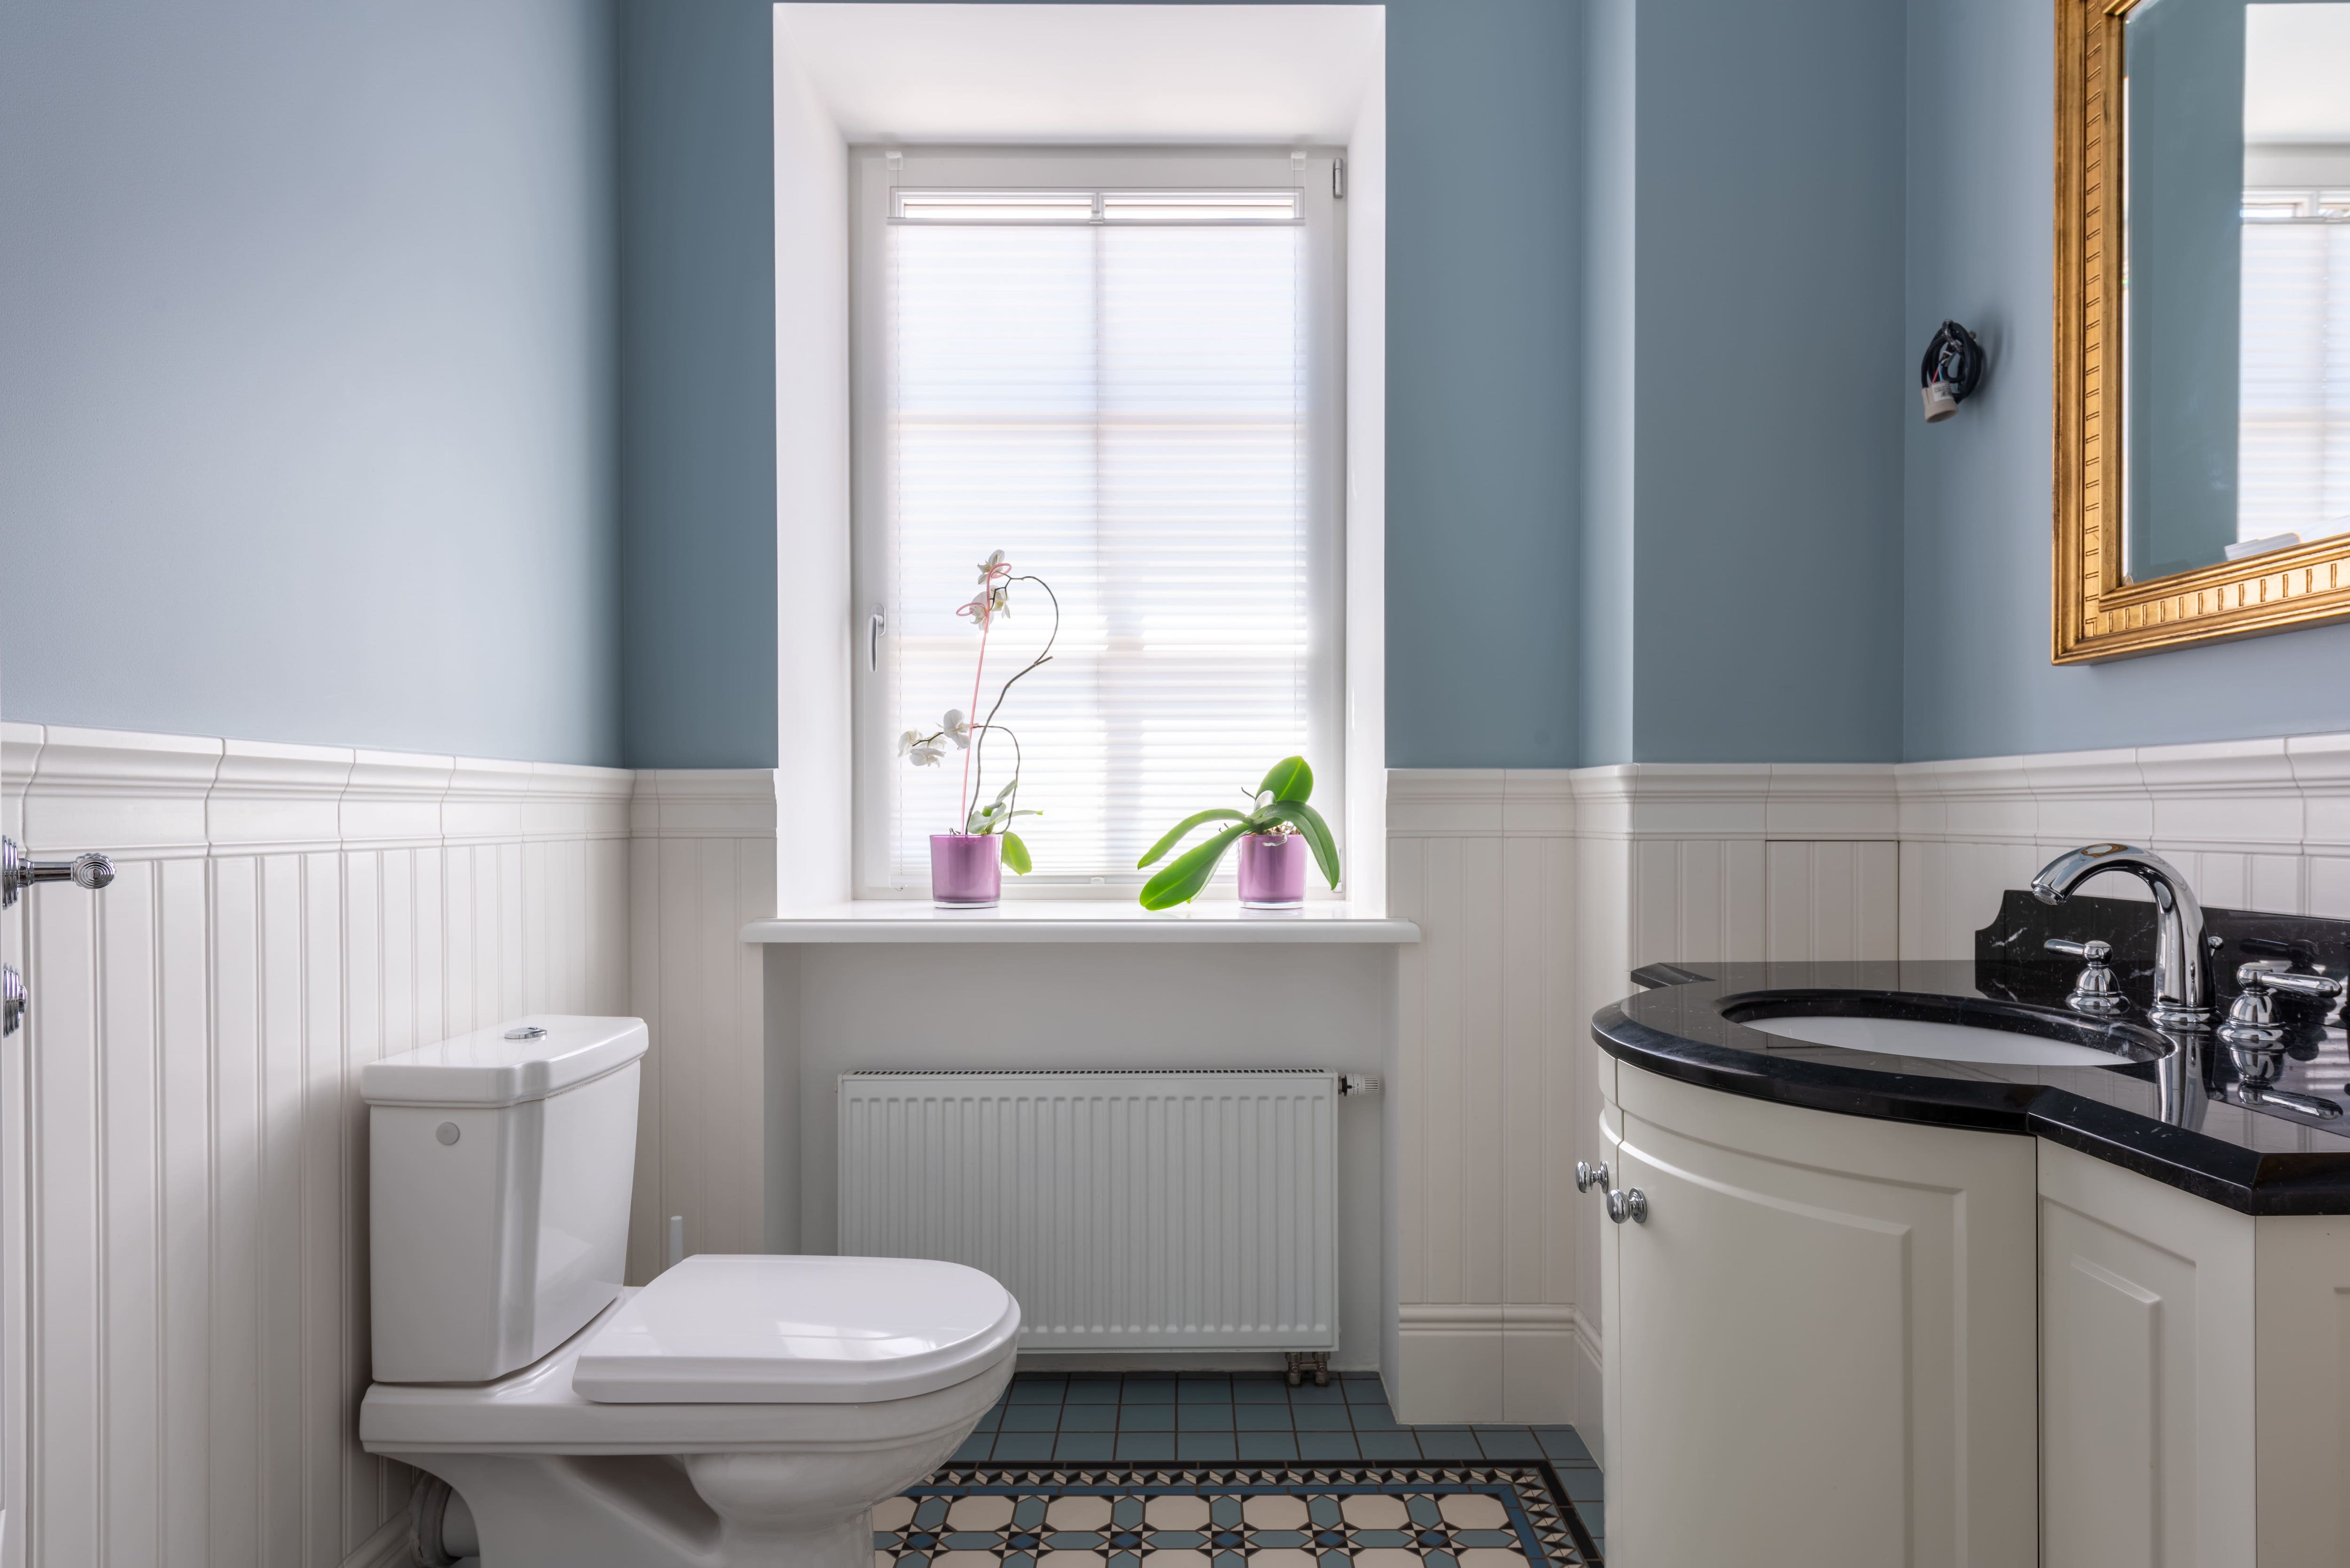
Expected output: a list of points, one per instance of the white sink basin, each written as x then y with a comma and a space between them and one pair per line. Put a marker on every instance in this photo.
1943, 1041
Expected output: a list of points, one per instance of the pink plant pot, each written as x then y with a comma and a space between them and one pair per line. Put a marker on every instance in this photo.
966, 870
1273, 870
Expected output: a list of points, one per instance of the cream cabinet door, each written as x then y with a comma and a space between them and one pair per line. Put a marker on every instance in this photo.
1820, 1342
2146, 1390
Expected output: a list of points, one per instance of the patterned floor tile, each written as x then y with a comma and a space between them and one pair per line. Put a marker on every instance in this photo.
1433, 1515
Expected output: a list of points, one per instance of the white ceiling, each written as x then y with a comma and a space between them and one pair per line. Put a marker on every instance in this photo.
2297, 73
982, 73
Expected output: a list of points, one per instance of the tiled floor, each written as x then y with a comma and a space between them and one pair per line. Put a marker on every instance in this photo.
1163, 1416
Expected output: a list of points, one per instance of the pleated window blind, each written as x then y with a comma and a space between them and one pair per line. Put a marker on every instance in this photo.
2293, 435
1117, 388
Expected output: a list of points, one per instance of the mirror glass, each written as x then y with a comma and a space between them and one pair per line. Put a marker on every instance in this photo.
2236, 279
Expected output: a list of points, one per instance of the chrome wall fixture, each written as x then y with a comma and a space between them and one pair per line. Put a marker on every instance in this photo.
91, 871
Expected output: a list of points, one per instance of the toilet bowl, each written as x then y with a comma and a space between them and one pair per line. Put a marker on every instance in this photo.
738, 1410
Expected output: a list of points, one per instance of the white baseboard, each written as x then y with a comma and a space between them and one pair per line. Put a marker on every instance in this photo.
1498, 1363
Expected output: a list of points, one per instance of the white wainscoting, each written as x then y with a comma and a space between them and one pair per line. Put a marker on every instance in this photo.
2255, 825
196, 1327
1537, 892
701, 866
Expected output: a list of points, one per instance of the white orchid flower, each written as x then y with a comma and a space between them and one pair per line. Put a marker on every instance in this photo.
977, 610
906, 741
927, 753
957, 729
990, 567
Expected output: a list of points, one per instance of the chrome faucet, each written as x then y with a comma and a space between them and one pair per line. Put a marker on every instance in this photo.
2182, 981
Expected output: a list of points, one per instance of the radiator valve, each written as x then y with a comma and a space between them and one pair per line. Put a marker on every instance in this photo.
1358, 1084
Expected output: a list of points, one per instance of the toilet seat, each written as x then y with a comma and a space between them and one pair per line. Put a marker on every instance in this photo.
539, 1410
768, 1330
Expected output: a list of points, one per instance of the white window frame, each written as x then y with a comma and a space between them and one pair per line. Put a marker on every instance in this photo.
874, 173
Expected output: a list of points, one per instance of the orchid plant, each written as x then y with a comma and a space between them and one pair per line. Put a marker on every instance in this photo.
992, 601
1277, 807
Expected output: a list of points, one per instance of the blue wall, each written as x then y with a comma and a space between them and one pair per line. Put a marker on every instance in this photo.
1977, 679
1743, 531
306, 381
698, 384
1484, 368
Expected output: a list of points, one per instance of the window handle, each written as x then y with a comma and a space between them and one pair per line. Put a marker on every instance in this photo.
874, 629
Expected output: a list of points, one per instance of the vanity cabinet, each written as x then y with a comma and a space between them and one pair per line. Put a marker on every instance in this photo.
2195, 1377
1819, 1344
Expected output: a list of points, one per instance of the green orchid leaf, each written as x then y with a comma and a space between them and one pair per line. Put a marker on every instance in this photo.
1175, 834
1016, 855
1183, 878
1290, 779
1308, 821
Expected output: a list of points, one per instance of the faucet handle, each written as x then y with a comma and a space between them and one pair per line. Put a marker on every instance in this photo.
2275, 974
2094, 990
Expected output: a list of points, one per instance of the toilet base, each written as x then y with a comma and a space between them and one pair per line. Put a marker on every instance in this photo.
644, 1511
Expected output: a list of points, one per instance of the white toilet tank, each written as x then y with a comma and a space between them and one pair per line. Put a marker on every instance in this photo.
499, 1170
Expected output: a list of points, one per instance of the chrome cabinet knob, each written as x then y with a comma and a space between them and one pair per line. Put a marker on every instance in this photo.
90, 871
1588, 1176
2096, 991
1628, 1203
13, 1000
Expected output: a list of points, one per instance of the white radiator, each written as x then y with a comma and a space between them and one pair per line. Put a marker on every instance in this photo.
1125, 1210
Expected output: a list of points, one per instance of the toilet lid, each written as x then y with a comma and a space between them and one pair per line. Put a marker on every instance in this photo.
757, 1330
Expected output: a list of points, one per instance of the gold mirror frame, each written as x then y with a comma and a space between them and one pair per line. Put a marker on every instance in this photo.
2097, 615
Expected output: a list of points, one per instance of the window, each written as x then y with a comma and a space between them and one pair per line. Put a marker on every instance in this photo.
1124, 371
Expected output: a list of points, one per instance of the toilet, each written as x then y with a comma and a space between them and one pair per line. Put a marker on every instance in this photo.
738, 1410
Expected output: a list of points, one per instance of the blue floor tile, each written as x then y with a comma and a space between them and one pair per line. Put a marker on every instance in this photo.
1306, 1394
1146, 1418
1203, 1417
1460, 1443
1372, 1417
1147, 1391
1204, 1391
1093, 1391
1385, 1445
991, 1420
1262, 1417
1266, 1389
1499, 1442
1146, 1445
1327, 1446
1595, 1517
1089, 1419
1026, 1393
1360, 1389
1031, 1419
1267, 1446
1320, 1417
1582, 1485
975, 1449
1204, 1445
1085, 1446
1562, 1443
1025, 1446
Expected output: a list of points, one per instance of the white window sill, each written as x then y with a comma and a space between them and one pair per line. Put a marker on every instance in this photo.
1076, 920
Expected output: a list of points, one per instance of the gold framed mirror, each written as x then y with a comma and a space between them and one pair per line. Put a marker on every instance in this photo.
2198, 486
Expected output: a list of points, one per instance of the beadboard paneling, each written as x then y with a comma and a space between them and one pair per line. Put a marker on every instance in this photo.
2255, 825
1535, 893
196, 1329
702, 865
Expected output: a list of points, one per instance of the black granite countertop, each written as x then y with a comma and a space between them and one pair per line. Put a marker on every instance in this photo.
2167, 1108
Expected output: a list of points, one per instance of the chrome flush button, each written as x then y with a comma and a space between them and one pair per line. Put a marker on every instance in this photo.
447, 1132
524, 1031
